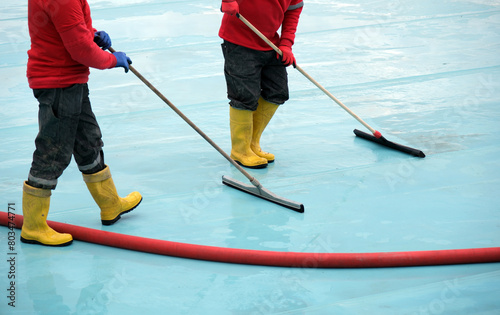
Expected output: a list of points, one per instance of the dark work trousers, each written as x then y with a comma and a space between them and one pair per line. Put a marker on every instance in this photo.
251, 74
67, 127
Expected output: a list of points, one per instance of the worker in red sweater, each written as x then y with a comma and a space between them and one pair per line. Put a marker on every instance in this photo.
256, 76
63, 47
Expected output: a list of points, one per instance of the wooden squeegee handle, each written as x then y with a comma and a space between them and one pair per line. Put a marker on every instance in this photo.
273, 46
252, 179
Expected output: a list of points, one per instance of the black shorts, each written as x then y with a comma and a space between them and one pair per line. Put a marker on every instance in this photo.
251, 74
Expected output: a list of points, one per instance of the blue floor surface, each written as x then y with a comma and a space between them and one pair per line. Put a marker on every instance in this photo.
424, 73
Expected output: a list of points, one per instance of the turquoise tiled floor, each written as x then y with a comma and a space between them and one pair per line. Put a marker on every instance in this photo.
426, 74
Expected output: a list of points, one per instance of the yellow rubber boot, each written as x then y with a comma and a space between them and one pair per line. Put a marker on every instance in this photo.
241, 123
103, 190
261, 117
36, 203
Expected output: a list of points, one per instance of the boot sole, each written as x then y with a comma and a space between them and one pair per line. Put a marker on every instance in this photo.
27, 241
253, 167
110, 222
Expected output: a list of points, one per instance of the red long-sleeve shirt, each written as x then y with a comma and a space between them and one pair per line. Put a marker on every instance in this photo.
62, 44
267, 16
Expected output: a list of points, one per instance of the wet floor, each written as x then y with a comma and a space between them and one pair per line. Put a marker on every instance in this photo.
426, 74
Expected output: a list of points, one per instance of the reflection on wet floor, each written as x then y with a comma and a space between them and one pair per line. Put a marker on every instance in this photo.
424, 74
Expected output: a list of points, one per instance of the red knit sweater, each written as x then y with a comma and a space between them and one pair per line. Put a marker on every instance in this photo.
62, 44
267, 16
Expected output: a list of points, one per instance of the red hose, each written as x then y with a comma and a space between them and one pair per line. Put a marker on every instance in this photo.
271, 258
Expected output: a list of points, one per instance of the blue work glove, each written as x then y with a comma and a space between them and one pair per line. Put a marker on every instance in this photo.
122, 60
102, 39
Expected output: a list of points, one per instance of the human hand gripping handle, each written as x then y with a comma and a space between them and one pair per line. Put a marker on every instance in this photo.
284, 52
102, 39
230, 7
121, 59
286, 57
